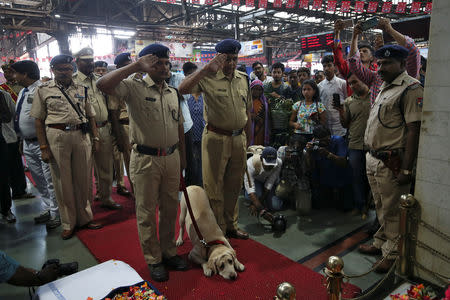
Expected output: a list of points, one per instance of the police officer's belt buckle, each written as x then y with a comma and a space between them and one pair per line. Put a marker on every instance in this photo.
70, 127
236, 132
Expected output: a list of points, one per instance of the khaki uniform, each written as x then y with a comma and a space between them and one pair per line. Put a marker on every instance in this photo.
224, 157
103, 159
154, 121
357, 110
71, 150
386, 192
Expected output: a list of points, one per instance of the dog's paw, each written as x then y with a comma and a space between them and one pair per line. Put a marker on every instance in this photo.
179, 242
240, 267
207, 271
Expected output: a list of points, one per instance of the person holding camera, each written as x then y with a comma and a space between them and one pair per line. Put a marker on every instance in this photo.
261, 179
326, 158
64, 117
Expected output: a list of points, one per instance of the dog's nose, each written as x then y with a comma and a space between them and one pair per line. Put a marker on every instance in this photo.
233, 277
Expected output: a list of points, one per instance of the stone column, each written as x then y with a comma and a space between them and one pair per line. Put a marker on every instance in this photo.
433, 164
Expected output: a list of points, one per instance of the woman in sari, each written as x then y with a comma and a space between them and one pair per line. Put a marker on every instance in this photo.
260, 115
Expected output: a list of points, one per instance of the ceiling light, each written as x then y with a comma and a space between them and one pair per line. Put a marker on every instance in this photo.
57, 16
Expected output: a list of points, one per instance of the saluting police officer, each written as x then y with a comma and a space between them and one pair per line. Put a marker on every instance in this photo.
65, 144
225, 138
103, 159
156, 132
392, 135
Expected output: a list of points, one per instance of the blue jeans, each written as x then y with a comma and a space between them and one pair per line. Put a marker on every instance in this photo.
357, 159
272, 202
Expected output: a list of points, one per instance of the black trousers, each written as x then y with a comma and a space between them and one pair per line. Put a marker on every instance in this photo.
5, 191
16, 177
189, 158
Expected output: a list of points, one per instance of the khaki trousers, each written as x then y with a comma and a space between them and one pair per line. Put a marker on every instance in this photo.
118, 164
103, 164
386, 195
223, 166
70, 168
156, 183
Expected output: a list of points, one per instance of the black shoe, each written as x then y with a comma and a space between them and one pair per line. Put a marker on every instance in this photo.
176, 263
9, 217
42, 218
53, 223
158, 272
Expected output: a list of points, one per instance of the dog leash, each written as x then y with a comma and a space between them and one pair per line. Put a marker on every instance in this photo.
191, 213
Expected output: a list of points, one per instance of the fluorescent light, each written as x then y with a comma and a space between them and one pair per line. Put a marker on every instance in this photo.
57, 16
126, 33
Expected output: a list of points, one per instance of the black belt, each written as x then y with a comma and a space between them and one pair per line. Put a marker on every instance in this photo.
32, 140
65, 127
383, 155
221, 131
101, 124
124, 121
156, 151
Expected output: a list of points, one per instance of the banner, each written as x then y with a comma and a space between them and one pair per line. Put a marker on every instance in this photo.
290, 4
386, 8
303, 4
250, 3
401, 8
331, 5
236, 2
415, 7
345, 6
209, 2
251, 48
359, 6
372, 7
428, 7
223, 1
317, 4
195, 1
277, 3
262, 4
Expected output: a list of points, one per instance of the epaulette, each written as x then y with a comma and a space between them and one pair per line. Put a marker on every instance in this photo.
45, 83
242, 73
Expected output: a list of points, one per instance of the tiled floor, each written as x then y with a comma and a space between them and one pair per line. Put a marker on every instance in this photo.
308, 240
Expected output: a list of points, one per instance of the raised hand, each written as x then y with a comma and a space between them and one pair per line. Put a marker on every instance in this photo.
338, 25
384, 24
146, 62
357, 29
215, 64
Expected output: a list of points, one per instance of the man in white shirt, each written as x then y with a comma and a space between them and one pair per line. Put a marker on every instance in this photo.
27, 74
260, 180
329, 86
259, 73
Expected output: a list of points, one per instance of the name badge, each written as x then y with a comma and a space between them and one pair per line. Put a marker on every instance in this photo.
30, 99
55, 97
222, 90
150, 99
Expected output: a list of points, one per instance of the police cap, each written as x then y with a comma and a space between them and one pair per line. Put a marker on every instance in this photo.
100, 64
158, 50
122, 58
228, 46
61, 59
85, 53
392, 51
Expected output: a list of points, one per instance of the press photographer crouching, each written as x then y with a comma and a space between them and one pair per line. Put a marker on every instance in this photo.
13, 273
331, 175
261, 179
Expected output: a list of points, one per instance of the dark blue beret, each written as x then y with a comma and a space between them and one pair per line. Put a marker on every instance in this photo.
392, 51
100, 64
228, 46
122, 58
61, 59
158, 50
25, 66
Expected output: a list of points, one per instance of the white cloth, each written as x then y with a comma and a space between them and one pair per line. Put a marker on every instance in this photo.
40, 171
96, 282
26, 122
175, 81
327, 89
267, 177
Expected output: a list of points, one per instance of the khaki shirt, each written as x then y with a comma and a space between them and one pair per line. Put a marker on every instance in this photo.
226, 102
118, 103
388, 107
96, 97
154, 116
50, 105
357, 112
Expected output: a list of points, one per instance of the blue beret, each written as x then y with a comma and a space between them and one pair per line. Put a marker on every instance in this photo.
100, 64
158, 50
61, 59
228, 46
122, 58
392, 51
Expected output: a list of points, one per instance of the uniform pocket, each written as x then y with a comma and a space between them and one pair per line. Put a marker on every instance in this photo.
151, 109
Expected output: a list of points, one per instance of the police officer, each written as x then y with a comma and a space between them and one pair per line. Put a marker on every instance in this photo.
120, 127
103, 159
27, 74
64, 143
100, 68
157, 136
224, 143
392, 136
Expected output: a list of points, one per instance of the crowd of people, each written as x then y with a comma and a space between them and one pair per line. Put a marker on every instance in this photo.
338, 138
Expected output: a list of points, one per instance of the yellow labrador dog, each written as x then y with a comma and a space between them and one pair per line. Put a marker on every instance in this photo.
219, 257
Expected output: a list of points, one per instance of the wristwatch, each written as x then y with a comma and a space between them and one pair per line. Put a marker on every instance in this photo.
406, 172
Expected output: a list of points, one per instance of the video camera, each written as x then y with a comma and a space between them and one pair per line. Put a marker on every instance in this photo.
277, 222
63, 269
316, 145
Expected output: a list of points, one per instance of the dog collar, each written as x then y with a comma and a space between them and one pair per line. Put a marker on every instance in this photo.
213, 243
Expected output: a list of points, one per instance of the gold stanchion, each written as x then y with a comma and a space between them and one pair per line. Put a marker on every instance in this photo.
334, 275
285, 291
407, 205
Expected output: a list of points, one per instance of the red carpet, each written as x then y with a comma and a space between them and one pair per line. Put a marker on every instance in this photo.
264, 268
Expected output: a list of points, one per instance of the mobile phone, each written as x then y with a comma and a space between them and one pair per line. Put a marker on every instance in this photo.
336, 100
370, 23
347, 23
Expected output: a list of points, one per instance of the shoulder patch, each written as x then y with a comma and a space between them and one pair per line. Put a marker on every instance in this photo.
419, 101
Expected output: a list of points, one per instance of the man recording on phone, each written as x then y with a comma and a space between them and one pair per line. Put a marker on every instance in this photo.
326, 158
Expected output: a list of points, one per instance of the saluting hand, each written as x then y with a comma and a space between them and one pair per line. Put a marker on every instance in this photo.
215, 64
146, 62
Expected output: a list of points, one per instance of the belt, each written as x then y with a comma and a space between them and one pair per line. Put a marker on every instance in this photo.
101, 124
156, 151
124, 121
383, 155
223, 131
65, 127
31, 140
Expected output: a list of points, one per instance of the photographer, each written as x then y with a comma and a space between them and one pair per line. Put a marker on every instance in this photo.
13, 273
260, 180
326, 157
